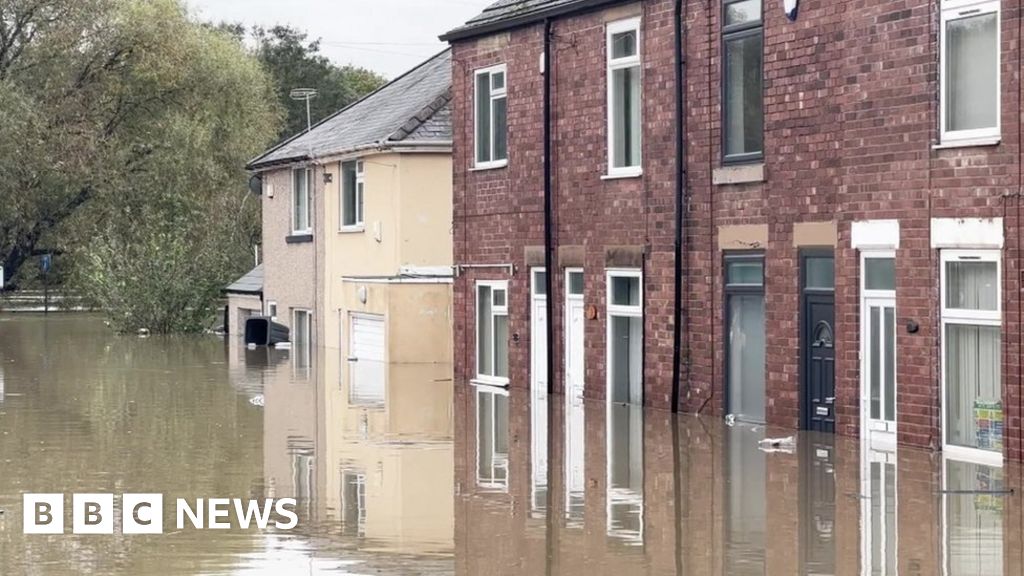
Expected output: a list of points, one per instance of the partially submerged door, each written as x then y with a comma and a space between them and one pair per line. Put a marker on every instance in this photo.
817, 341
574, 410
366, 358
878, 352
539, 390
745, 333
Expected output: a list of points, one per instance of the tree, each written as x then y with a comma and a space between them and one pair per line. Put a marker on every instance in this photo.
124, 129
295, 62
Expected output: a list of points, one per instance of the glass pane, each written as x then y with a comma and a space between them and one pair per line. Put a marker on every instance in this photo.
626, 117
359, 202
744, 117
880, 273
746, 357
821, 273
627, 359
890, 364
874, 350
625, 291
742, 12
972, 285
500, 297
485, 362
497, 81
348, 194
576, 283
624, 44
483, 118
974, 535
501, 346
540, 283
974, 409
500, 129
972, 68
745, 273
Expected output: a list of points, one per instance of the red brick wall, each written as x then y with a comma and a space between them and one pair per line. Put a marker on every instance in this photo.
850, 114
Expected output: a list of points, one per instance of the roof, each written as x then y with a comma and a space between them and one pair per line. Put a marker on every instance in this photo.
505, 14
412, 109
251, 283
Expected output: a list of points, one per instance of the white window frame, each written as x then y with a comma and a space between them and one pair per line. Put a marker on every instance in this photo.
621, 311
305, 349
496, 94
969, 318
496, 462
495, 311
271, 309
955, 10
359, 224
613, 28
308, 229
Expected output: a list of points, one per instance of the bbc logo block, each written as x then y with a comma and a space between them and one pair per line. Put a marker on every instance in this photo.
93, 514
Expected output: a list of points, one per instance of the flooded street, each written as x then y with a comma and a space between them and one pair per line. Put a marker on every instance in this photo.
429, 478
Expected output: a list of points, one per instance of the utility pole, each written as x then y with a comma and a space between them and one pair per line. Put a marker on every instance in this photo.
306, 94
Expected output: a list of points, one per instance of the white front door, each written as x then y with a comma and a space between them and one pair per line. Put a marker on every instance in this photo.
878, 370
367, 372
574, 410
539, 389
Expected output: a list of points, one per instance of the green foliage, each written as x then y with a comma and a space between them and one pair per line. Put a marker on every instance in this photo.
295, 62
124, 129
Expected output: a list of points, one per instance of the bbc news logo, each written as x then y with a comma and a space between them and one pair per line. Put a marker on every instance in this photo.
144, 513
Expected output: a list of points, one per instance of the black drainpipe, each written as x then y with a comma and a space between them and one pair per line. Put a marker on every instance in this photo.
548, 232
681, 204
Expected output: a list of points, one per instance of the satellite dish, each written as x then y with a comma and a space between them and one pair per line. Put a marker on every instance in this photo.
791, 7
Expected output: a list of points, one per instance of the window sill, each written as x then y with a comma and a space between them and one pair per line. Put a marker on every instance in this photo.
489, 166
357, 229
489, 382
619, 175
299, 238
973, 142
741, 174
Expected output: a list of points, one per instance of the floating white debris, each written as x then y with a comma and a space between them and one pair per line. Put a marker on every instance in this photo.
730, 419
786, 445
257, 400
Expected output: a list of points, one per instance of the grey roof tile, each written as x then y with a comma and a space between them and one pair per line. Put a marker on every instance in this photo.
251, 283
509, 11
389, 115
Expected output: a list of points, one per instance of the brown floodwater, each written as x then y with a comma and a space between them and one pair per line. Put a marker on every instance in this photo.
422, 477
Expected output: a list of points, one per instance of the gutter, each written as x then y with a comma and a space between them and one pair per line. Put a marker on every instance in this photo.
467, 32
437, 145
681, 206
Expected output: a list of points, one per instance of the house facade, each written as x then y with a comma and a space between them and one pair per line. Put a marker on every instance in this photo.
357, 234
808, 219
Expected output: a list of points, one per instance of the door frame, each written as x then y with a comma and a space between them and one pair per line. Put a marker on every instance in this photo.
350, 356
867, 299
806, 296
568, 394
728, 291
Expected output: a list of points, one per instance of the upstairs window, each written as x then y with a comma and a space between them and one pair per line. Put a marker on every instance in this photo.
624, 97
970, 70
352, 194
491, 117
302, 220
742, 70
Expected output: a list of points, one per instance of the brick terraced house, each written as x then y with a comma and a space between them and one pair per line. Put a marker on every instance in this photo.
809, 219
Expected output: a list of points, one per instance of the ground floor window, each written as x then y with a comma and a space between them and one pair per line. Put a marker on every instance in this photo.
625, 336
302, 337
492, 332
972, 359
745, 337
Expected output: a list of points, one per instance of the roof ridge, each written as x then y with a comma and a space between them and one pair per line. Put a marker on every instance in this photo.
421, 117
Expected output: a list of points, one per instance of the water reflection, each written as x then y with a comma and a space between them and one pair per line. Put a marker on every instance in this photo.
398, 471
648, 494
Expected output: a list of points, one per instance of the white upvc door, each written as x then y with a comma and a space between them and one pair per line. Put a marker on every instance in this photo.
574, 410
367, 352
539, 389
878, 350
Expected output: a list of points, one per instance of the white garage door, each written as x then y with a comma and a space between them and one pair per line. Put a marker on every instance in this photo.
366, 358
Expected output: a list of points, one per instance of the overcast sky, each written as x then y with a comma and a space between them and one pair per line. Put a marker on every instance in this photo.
387, 36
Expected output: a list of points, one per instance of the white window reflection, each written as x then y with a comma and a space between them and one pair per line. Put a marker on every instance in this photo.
625, 495
879, 536
973, 502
